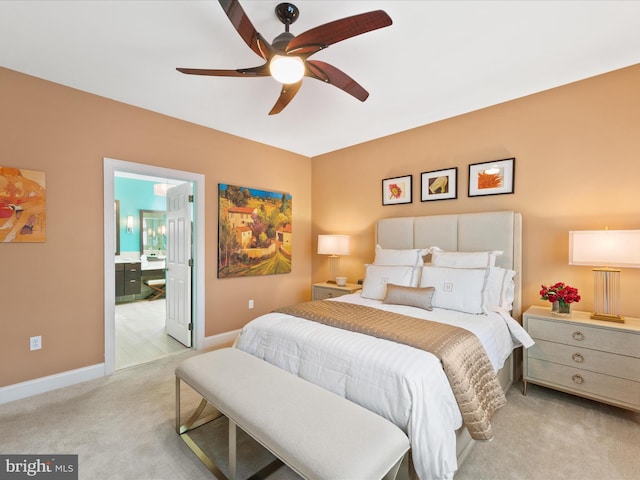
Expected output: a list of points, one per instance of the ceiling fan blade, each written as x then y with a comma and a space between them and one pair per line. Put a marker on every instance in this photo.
286, 95
321, 37
261, 71
243, 26
336, 77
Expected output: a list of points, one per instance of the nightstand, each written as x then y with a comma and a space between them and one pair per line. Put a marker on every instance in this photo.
590, 358
322, 291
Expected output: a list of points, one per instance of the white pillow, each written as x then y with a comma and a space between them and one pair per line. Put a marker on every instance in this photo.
388, 256
494, 287
500, 289
460, 289
508, 290
377, 276
440, 258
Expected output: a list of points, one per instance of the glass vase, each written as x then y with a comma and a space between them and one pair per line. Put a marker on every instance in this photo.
561, 308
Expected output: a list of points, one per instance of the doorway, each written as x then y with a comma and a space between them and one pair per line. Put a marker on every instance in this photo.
111, 166
145, 327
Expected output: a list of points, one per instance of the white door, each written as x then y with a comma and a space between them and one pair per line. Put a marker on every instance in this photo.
178, 275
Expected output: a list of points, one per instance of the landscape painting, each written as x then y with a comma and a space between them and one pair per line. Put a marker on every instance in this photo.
254, 232
22, 205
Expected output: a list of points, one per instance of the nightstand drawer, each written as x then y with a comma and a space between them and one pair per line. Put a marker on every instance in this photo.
583, 381
322, 293
585, 336
586, 359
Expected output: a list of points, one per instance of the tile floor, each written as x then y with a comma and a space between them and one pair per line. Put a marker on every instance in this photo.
140, 333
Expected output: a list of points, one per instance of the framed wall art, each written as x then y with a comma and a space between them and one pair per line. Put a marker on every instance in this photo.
492, 178
439, 184
397, 190
254, 232
22, 205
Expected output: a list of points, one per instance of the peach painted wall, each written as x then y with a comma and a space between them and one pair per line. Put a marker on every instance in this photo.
577, 151
577, 168
55, 289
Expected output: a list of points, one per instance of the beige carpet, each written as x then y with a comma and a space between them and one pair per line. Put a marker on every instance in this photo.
122, 427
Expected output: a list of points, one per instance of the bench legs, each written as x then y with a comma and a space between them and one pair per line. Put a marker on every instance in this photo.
195, 421
232, 450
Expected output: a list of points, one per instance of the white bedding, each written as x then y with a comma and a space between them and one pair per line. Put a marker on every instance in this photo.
403, 384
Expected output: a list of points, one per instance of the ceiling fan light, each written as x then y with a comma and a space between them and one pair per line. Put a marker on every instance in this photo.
286, 69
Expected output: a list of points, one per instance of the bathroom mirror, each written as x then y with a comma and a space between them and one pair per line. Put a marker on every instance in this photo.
153, 234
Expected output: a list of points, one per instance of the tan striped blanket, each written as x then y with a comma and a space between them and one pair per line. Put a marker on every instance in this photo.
464, 359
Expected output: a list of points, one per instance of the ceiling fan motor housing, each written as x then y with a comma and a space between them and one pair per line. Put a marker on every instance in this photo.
287, 13
282, 40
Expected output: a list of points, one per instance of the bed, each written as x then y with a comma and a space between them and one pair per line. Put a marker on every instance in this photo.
404, 384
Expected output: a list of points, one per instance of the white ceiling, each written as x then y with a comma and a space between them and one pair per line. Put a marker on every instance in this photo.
438, 59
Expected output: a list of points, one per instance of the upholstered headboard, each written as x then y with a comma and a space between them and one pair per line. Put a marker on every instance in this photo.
467, 232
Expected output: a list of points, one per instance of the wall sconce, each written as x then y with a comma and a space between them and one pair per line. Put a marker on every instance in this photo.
605, 249
334, 246
130, 224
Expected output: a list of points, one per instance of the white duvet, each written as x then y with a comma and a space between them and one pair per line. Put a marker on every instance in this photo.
403, 384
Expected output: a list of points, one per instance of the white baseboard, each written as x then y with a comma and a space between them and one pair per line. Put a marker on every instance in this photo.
51, 382
215, 341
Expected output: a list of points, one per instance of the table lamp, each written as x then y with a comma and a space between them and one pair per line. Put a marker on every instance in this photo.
605, 250
334, 246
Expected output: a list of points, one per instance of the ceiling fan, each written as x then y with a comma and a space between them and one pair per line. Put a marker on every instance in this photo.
295, 50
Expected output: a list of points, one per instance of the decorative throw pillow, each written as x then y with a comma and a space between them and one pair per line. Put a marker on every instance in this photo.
411, 296
460, 289
378, 276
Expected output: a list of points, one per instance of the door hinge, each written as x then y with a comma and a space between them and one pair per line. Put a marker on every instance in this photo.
190, 198
191, 262
190, 326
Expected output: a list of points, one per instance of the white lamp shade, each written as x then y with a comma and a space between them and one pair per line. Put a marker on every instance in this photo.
605, 248
333, 244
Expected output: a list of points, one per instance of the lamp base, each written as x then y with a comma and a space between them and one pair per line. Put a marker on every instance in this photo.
607, 318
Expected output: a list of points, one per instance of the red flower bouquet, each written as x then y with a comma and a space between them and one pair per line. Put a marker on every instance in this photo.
561, 293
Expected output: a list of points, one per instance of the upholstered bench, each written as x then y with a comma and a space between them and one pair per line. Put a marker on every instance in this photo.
157, 287
317, 433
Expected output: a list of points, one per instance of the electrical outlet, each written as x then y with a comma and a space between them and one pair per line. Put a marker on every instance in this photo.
250, 303
35, 343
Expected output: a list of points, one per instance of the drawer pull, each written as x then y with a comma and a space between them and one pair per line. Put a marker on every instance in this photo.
577, 378
329, 295
577, 357
577, 335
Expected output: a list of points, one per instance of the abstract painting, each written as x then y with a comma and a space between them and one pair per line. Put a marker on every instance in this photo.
22, 205
439, 184
397, 190
492, 178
